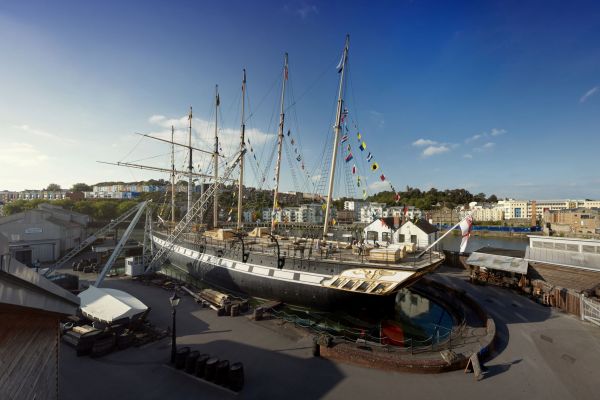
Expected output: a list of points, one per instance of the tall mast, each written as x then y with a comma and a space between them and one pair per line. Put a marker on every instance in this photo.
242, 146
337, 128
190, 169
172, 176
216, 159
279, 141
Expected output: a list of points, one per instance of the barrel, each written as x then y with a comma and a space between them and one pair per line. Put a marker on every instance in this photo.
236, 376
227, 308
210, 369
244, 306
235, 310
201, 365
221, 311
180, 356
258, 313
190, 361
222, 372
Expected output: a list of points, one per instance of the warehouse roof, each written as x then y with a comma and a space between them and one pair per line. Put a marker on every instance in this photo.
21, 286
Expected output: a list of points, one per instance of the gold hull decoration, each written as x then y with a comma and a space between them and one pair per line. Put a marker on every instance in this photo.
375, 281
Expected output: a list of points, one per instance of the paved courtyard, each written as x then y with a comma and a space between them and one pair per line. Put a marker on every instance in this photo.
542, 354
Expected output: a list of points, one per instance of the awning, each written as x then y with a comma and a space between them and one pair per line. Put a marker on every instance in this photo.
108, 305
498, 262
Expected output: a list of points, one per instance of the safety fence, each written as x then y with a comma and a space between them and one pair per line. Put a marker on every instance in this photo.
590, 310
442, 337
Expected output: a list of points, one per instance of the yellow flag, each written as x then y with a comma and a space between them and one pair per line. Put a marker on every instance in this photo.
374, 166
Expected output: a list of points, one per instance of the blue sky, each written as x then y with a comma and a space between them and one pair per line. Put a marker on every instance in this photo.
496, 97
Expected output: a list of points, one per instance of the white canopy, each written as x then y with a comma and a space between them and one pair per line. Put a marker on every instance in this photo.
108, 305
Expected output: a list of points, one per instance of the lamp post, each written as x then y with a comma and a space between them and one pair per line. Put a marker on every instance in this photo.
174, 303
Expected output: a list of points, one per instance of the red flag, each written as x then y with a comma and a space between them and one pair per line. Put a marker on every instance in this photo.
382, 177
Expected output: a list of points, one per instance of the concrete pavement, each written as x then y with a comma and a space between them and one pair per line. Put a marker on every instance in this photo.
542, 354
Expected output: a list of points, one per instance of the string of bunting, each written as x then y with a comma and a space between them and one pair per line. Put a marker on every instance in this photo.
362, 146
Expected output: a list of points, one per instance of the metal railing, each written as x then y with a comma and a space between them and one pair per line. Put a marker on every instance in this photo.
308, 251
360, 337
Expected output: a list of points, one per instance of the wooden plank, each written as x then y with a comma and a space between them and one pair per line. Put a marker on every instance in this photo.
28, 350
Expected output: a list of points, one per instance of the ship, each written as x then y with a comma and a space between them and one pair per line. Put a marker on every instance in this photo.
314, 272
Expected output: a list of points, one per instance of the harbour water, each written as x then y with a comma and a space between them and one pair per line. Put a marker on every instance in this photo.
450, 242
412, 318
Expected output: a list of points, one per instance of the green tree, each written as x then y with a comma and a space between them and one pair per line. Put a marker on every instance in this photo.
125, 205
81, 187
84, 207
53, 187
105, 210
15, 207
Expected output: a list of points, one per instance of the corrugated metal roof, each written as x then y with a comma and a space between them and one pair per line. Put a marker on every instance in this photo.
572, 259
502, 252
498, 262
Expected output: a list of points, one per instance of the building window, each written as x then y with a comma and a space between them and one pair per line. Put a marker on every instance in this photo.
401, 238
372, 235
385, 237
413, 239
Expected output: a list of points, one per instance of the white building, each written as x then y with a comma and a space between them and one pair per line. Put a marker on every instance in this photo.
486, 212
355, 206
381, 231
524, 208
412, 212
386, 231
420, 232
371, 211
310, 213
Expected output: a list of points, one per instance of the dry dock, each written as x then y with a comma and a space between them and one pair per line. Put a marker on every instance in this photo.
541, 353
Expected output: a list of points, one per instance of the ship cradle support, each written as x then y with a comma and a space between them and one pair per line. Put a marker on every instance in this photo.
345, 288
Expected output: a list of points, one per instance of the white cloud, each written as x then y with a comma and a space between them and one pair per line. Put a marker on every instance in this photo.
474, 137
486, 146
41, 133
378, 186
589, 94
21, 155
378, 118
156, 119
467, 156
306, 9
424, 142
203, 130
483, 135
434, 150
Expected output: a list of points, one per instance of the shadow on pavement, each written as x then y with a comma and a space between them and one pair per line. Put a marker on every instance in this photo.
493, 370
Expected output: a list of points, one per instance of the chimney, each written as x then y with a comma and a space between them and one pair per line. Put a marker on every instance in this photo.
396, 221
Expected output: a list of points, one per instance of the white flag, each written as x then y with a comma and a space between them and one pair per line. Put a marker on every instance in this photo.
466, 225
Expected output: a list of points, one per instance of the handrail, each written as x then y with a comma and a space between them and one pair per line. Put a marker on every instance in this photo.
321, 255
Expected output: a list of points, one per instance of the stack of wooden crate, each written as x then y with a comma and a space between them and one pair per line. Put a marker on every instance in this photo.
386, 255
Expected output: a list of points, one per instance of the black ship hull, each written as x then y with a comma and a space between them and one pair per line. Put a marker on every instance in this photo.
298, 282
